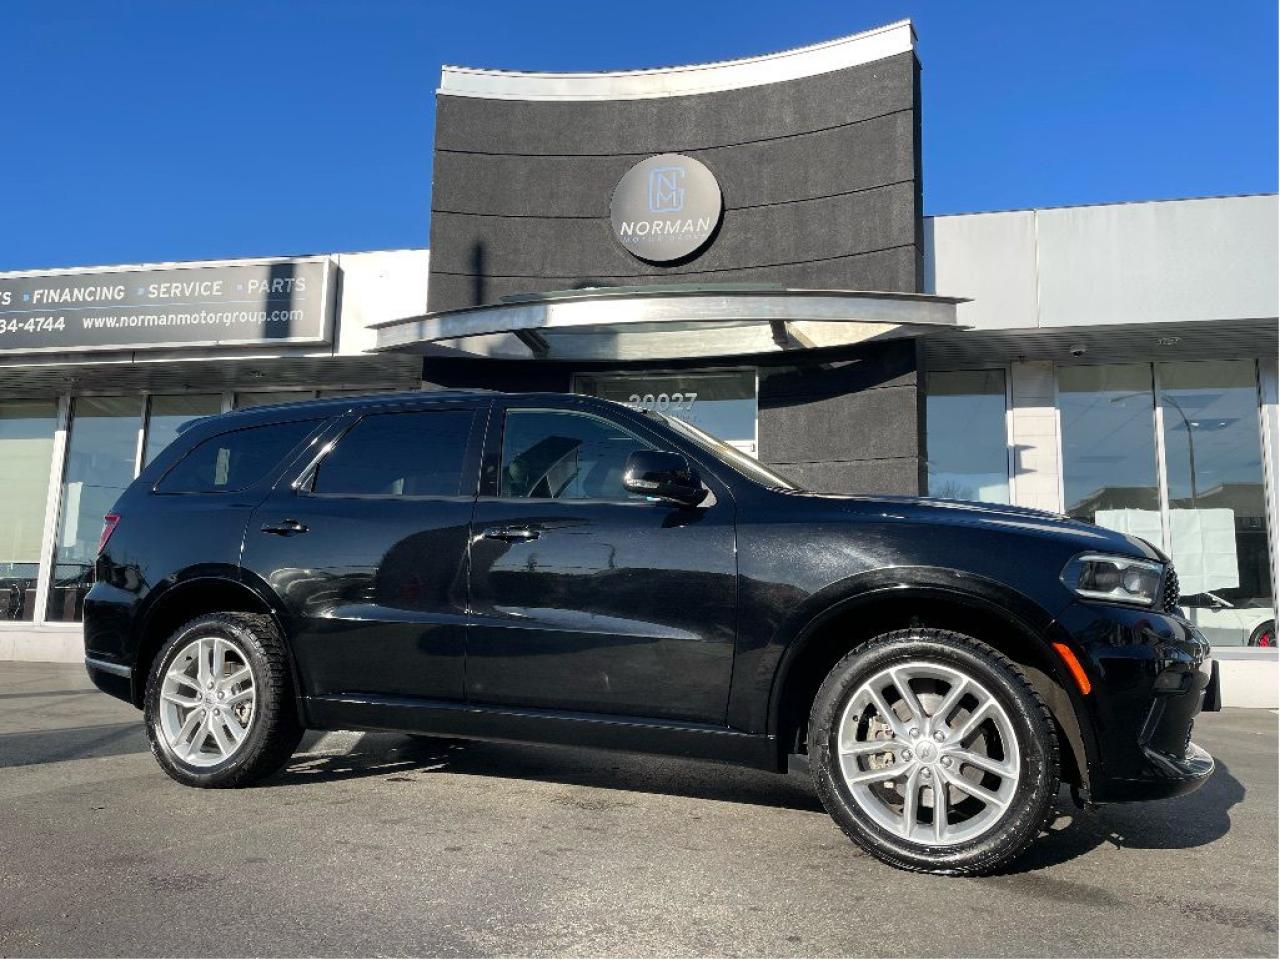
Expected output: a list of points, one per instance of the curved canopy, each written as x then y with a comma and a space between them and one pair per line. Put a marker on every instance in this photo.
663, 323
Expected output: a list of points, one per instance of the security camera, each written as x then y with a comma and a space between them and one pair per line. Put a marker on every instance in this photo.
1078, 349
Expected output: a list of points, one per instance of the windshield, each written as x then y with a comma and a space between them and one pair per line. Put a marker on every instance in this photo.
748, 466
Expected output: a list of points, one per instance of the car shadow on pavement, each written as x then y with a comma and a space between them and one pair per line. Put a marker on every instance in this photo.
1193, 820
28, 748
1183, 822
395, 756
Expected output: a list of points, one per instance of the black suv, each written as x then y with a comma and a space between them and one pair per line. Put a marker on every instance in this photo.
557, 568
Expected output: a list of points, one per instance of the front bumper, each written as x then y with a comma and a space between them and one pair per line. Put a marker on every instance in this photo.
1152, 677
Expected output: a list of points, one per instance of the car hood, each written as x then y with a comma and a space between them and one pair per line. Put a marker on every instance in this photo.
995, 516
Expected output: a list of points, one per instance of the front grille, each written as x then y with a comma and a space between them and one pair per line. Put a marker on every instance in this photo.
1172, 592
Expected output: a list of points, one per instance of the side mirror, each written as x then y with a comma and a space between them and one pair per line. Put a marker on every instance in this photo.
664, 476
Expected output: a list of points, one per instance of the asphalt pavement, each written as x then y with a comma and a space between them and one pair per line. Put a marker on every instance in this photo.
380, 844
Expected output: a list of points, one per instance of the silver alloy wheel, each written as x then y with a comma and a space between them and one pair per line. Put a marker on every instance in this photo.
929, 753
207, 701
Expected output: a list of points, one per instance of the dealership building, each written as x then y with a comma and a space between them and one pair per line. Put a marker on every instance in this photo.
742, 244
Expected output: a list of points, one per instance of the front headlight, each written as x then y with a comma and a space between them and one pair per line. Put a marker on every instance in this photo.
1122, 579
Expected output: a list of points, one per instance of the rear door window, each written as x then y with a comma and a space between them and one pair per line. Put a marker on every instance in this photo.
236, 460
415, 454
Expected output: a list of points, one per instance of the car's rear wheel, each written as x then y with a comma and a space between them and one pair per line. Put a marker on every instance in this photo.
932, 751
219, 709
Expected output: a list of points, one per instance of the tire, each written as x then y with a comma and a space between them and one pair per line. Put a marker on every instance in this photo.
1264, 634
975, 836
270, 725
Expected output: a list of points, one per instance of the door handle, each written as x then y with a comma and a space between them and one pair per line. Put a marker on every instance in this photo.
512, 534
285, 528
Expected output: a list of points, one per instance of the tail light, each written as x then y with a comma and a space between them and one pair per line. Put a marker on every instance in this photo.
109, 523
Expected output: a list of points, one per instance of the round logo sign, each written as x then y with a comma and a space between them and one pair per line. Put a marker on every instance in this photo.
666, 207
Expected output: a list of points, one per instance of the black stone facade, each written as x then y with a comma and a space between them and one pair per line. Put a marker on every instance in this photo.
819, 175
821, 185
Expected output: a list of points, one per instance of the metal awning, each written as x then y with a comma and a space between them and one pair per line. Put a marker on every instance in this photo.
666, 322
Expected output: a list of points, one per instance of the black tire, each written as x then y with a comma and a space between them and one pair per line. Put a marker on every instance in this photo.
1265, 630
274, 730
1037, 787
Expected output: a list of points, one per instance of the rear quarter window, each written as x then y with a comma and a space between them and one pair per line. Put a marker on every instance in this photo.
235, 460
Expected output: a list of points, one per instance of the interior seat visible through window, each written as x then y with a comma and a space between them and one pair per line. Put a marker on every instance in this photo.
564, 455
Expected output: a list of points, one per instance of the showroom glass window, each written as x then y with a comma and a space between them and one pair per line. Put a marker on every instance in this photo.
967, 439
27, 430
418, 454
561, 455
1217, 499
99, 466
721, 403
1109, 474
167, 412
1212, 517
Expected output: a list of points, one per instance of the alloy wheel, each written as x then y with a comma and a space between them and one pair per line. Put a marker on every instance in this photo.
928, 753
207, 701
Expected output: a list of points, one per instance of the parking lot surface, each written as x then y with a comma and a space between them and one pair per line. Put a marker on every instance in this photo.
390, 845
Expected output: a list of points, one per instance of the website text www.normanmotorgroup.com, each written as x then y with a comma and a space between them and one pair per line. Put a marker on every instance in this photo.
53, 324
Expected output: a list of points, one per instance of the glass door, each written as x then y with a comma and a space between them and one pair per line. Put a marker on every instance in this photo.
1217, 504
1172, 453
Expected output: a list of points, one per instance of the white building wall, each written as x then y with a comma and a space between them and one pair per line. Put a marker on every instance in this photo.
1161, 262
377, 286
1158, 262
990, 258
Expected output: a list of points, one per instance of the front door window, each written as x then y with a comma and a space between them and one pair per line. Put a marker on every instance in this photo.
559, 455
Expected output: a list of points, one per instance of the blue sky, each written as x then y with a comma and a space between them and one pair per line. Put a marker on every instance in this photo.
141, 131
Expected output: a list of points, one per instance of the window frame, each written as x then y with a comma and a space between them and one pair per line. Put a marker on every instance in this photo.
303, 484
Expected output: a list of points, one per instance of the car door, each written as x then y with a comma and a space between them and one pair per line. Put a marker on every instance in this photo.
586, 598
367, 549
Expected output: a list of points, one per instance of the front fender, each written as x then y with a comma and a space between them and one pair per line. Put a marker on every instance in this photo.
890, 584
892, 587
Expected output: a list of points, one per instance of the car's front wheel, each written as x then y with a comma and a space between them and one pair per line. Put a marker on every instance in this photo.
1264, 634
933, 752
219, 706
